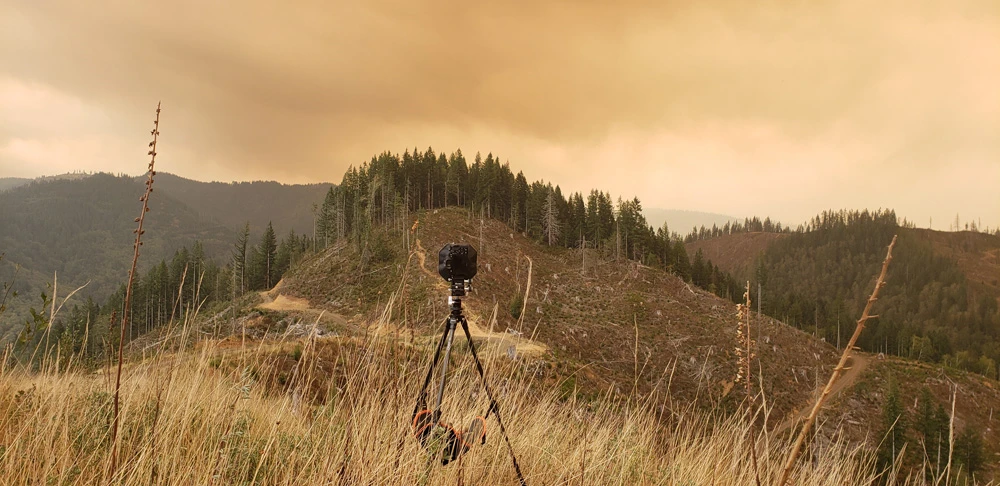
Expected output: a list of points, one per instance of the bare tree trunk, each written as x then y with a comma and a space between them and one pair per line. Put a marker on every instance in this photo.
797, 448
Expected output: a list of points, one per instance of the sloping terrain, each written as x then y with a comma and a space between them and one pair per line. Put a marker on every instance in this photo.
977, 254
858, 410
606, 324
288, 207
12, 182
82, 229
734, 253
609, 325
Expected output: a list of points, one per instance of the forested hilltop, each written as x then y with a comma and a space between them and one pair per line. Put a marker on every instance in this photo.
383, 191
816, 278
940, 304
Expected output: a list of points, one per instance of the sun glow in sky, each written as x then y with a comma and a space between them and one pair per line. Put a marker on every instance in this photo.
771, 108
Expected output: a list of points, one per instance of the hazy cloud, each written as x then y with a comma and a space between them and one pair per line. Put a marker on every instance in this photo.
773, 107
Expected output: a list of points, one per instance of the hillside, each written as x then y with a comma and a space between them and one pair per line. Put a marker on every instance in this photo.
609, 327
12, 182
944, 307
977, 254
734, 253
289, 207
83, 230
588, 320
859, 411
81, 227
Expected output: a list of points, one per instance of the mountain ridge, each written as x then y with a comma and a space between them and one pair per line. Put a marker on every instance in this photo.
78, 228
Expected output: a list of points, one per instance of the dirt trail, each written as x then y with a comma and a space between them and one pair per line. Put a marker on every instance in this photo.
274, 300
856, 364
502, 340
279, 302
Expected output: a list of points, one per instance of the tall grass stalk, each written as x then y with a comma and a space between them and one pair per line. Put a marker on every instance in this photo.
151, 172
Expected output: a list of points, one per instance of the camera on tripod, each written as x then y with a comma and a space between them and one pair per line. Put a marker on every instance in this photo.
458, 264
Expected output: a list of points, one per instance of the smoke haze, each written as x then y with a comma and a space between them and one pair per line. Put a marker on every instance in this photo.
774, 108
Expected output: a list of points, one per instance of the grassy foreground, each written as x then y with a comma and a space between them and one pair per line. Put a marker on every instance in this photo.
338, 411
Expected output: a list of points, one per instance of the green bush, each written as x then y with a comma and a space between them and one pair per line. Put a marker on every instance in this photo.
381, 249
515, 306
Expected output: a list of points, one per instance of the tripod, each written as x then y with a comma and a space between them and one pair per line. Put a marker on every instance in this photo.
425, 421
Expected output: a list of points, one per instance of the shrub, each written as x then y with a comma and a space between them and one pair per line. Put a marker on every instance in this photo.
515, 306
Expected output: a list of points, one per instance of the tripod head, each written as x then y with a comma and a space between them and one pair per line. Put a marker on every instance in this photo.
458, 290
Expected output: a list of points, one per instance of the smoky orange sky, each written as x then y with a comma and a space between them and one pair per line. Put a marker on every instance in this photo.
779, 108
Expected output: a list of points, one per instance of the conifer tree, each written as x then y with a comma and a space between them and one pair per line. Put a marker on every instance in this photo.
240, 259
969, 450
682, 266
932, 425
593, 220
268, 251
550, 218
893, 426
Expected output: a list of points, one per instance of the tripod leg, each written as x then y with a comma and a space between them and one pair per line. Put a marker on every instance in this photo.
422, 398
494, 407
444, 368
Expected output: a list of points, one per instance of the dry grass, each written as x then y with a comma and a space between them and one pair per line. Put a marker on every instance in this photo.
216, 415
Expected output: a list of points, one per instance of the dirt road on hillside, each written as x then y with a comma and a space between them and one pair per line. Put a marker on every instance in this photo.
282, 303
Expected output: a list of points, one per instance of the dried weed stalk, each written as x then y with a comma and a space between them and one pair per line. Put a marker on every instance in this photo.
745, 355
745, 345
128, 290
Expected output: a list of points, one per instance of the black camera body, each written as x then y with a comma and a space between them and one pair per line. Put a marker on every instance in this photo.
457, 263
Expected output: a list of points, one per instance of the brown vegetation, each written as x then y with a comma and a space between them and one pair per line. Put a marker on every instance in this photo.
734, 253
246, 415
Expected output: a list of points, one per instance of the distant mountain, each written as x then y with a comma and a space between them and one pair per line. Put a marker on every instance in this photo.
681, 221
80, 227
82, 230
288, 207
7, 183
